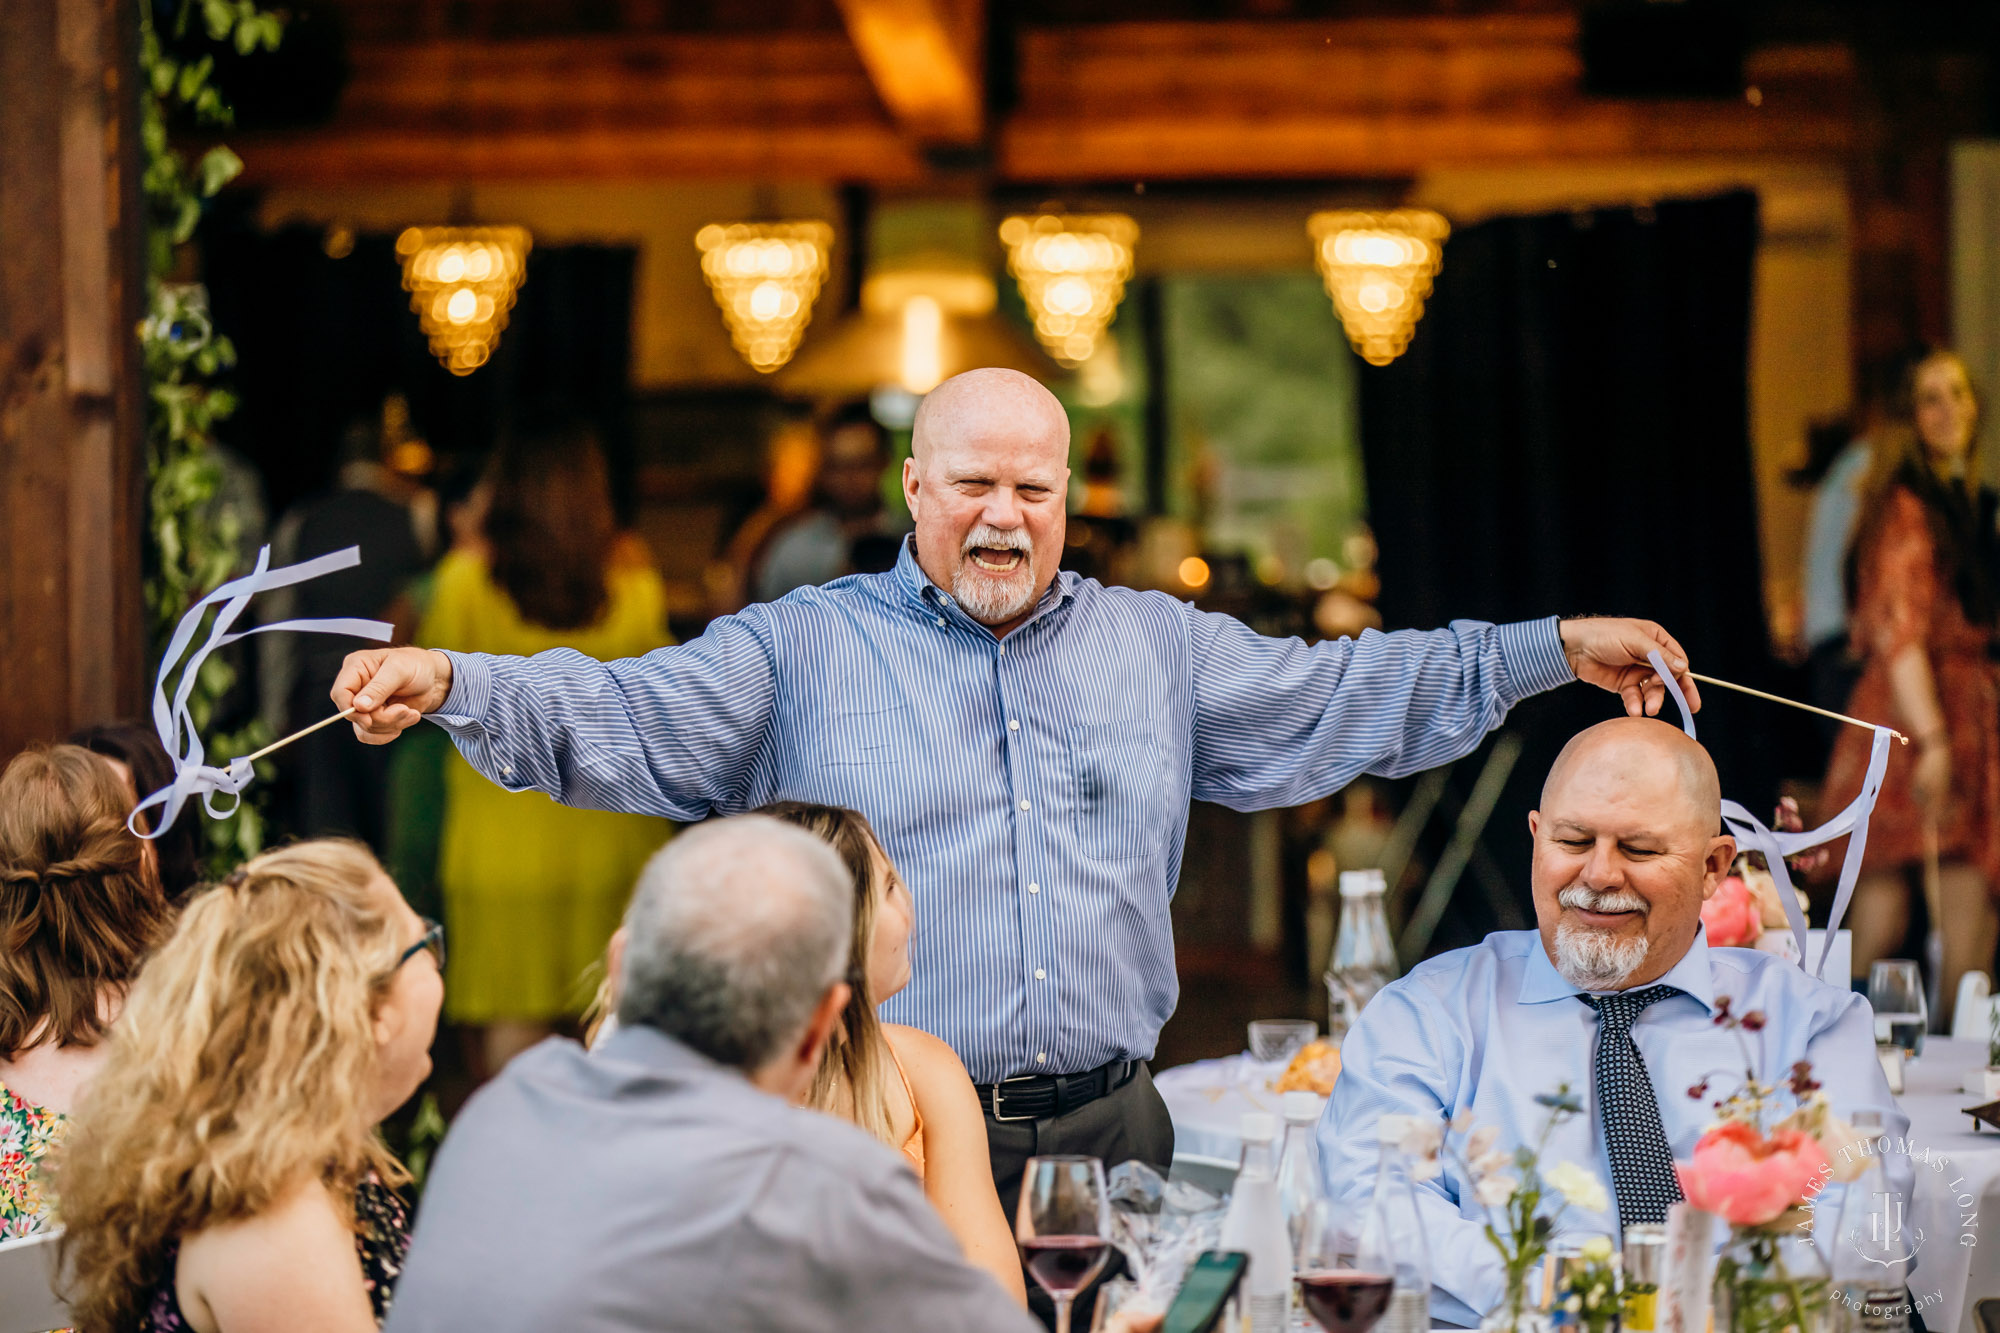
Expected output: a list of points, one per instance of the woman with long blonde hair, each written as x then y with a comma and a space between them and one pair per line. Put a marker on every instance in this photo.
224, 1173
1923, 626
899, 1083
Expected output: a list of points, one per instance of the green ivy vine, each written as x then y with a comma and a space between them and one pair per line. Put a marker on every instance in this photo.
194, 540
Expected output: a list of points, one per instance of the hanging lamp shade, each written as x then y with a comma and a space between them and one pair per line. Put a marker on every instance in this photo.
1071, 268
462, 282
765, 276
921, 321
1378, 267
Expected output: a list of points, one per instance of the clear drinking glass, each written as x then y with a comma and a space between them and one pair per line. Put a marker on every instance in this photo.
1274, 1041
1896, 993
1113, 1296
1645, 1262
1064, 1227
1345, 1275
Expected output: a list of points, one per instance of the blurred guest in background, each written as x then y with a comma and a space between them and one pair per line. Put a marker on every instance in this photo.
1836, 471
900, 1083
665, 1181
80, 907
1923, 622
143, 766
413, 836
791, 468
224, 1172
533, 889
392, 517
847, 529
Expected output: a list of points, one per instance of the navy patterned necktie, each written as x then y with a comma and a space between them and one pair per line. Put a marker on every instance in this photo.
1642, 1165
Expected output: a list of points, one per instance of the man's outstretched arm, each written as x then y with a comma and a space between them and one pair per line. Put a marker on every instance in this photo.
676, 732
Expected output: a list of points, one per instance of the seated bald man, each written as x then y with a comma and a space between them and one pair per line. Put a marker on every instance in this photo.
1626, 849
1025, 742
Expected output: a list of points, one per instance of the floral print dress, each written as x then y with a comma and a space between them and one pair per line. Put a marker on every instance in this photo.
28, 1134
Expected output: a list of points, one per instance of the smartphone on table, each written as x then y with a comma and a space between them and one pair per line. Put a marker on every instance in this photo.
1205, 1292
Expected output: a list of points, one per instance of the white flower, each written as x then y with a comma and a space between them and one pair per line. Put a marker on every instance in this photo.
1480, 1142
1461, 1122
1597, 1250
1422, 1138
1578, 1187
1494, 1190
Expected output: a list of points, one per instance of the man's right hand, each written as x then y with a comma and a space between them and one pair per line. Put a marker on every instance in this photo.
390, 689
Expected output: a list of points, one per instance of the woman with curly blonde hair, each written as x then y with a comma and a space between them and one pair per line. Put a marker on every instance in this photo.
80, 906
224, 1173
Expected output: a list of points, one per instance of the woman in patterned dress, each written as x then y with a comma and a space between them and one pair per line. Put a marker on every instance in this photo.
1923, 626
80, 906
224, 1173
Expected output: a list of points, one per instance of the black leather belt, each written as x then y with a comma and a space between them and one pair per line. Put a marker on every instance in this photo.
1040, 1096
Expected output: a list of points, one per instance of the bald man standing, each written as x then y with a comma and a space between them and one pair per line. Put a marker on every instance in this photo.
1025, 741
1615, 994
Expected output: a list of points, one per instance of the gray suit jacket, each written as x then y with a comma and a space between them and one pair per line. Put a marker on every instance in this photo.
644, 1187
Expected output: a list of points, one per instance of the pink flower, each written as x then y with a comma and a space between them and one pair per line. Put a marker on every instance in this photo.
1732, 915
1748, 1179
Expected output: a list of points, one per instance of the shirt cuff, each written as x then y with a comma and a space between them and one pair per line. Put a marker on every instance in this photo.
471, 691
1532, 653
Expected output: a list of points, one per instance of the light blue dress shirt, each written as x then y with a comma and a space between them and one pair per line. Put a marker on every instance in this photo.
1485, 1029
1033, 790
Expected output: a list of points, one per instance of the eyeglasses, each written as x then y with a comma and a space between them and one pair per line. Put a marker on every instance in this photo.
433, 940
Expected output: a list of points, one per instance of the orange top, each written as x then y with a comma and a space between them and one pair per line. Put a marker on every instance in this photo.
913, 1147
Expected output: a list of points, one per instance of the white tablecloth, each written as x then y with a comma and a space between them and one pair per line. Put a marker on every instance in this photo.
1207, 1100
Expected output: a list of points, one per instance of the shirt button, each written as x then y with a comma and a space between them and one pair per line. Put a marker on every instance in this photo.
1034, 888
1003, 650
1041, 975
507, 772
1012, 725
940, 621
1041, 1057
1024, 805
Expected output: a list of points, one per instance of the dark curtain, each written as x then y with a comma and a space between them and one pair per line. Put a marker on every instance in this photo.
1568, 434
321, 340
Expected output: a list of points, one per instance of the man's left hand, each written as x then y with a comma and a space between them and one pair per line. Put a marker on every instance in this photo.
1611, 653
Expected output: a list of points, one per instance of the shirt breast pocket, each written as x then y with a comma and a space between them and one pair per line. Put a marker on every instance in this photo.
866, 738
1117, 775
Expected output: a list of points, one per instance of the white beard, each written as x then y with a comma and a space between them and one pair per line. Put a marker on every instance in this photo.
989, 600
1597, 960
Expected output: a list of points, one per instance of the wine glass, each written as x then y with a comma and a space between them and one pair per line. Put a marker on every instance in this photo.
1896, 994
1063, 1225
1345, 1277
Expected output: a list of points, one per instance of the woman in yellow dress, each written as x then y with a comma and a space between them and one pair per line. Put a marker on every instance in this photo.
532, 889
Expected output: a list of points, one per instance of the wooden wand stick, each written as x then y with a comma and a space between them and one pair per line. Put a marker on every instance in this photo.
302, 731
1789, 703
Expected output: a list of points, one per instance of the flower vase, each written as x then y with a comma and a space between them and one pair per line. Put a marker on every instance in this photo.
1771, 1279
1518, 1312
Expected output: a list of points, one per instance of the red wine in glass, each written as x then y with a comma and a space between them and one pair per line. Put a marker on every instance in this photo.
1345, 1301
1064, 1265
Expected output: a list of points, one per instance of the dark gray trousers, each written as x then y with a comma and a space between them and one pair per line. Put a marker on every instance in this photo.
1126, 1124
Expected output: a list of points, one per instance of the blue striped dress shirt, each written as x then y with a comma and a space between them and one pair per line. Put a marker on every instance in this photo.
1033, 790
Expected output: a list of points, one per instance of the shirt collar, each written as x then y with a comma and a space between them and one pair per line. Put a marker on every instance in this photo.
931, 599
1690, 975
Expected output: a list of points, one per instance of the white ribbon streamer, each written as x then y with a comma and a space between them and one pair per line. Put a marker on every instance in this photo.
175, 723
1776, 845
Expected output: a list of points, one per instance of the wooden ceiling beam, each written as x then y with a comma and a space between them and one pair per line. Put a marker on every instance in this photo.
926, 58
1110, 102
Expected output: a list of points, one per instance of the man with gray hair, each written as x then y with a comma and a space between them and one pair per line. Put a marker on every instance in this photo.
664, 1182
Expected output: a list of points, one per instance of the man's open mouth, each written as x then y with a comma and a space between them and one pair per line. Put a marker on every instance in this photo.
1600, 920
996, 560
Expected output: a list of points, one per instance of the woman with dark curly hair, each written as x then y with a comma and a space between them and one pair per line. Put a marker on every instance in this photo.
80, 907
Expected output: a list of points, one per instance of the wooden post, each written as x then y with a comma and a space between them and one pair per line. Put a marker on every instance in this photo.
72, 621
